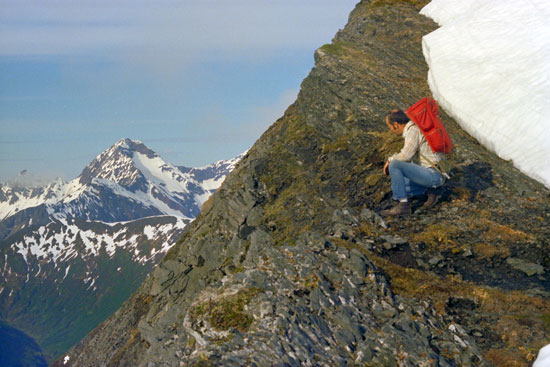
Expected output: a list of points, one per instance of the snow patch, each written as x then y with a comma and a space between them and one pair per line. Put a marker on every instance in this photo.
161, 173
149, 231
213, 184
66, 272
60, 244
543, 358
490, 69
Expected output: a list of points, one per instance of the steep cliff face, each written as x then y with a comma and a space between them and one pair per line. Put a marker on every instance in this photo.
288, 263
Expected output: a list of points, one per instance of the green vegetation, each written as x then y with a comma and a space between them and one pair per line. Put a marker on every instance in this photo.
227, 311
418, 4
336, 48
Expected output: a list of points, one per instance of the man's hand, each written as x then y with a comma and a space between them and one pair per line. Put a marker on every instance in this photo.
386, 165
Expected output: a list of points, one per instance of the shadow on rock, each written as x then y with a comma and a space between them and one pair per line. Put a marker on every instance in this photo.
474, 178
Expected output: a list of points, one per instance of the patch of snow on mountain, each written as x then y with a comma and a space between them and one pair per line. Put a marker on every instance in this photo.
128, 171
61, 241
490, 69
149, 231
201, 198
155, 232
160, 173
23, 198
71, 191
543, 358
213, 183
145, 198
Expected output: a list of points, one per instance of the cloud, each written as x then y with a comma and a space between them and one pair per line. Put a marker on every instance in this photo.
165, 34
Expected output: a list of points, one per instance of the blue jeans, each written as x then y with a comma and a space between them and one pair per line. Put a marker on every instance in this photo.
409, 179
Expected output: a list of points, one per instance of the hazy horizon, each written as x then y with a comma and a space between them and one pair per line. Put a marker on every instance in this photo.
195, 82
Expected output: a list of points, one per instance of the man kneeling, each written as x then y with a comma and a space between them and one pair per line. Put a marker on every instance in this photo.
410, 179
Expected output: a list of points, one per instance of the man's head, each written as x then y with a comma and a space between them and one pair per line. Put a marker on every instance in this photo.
396, 121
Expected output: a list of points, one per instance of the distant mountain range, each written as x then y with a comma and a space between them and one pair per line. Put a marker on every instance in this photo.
128, 181
72, 252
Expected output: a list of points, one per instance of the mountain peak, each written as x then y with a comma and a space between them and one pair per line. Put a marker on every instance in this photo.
117, 164
130, 147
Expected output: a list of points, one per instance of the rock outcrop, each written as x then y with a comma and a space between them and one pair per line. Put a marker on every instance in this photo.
289, 264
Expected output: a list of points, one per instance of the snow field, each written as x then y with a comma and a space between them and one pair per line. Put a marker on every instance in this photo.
490, 69
543, 358
60, 246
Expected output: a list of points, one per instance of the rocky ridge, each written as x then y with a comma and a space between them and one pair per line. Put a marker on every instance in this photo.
69, 255
289, 264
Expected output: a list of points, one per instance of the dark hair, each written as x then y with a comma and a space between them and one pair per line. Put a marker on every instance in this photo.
398, 116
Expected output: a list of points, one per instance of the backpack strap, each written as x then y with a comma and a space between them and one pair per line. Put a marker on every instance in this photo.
434, 166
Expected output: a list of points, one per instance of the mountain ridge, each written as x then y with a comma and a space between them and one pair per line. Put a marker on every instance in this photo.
73, 251
127, 181
289, 264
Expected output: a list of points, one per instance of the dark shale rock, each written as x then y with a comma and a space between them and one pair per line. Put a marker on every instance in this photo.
371, 216
527, 267
391, 242
292, 266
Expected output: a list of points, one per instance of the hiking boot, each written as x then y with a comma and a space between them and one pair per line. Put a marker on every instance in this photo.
401, 208
430, 201
433, 196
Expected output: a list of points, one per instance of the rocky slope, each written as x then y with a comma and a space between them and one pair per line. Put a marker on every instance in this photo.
288, 263
60, 280
66, 259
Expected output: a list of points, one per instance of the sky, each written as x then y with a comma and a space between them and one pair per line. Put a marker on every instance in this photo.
196, 81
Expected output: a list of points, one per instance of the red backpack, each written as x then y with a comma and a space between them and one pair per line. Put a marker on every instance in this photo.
425, 114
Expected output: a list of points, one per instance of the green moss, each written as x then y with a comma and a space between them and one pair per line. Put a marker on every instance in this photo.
203, 362
238, 269
373, 179
440, 236
418, 4
191, 342
223, 340
545, 318
310, 282
228, 312
336, 49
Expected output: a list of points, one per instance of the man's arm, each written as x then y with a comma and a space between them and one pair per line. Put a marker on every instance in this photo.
412, 141
413, 137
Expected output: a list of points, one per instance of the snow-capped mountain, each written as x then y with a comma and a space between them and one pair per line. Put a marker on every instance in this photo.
126, 182
212, 176
72, 252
